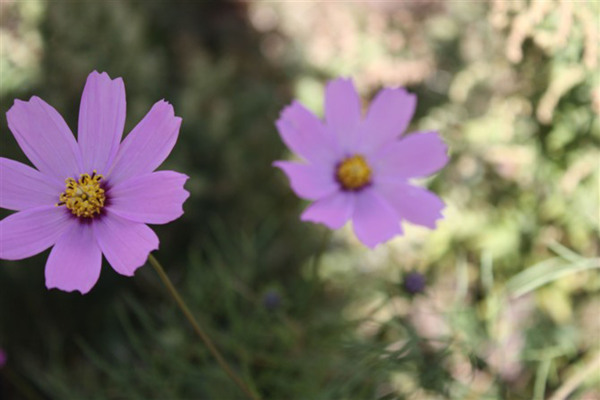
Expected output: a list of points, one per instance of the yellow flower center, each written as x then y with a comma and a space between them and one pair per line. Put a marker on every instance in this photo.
84, 197
353, 173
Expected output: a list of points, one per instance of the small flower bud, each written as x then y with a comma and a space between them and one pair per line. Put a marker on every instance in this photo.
414, 282
3, 357
272, 300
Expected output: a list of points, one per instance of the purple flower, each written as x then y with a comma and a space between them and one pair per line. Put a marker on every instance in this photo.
3, 357
359, 168
93, 196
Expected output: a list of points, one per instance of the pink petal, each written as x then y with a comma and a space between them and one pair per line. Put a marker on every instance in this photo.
23, 187
306, 136
75, 261
412, 203
388, 116
45, 138
154, 198
309, 181
148, 144
343, 111
374, 220
125, 244
333, 211
101, 120
415, 155
29, 232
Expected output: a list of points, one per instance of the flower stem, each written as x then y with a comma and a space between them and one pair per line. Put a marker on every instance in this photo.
190, 317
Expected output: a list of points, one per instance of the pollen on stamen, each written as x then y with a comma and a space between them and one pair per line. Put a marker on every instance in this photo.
84, 197
353, 173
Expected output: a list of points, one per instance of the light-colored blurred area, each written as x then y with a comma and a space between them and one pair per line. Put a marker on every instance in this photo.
21, 44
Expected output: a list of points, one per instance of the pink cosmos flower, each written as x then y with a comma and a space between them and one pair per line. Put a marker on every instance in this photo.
360, 168
93, 196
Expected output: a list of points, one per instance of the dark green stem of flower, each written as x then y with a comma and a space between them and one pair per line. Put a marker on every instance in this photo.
190, 317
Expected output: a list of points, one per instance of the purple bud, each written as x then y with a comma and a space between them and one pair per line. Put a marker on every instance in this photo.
272, 300
414, 282
3, 357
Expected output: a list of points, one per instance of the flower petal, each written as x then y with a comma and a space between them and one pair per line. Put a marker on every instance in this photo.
101, 120
374, 219
148, 144
305, 135
415, 155
23, 187
75, 260
343, 111
415, 204
333, 211
154, 198
29, 232
388, 117
309, 181
45, 138
125, 244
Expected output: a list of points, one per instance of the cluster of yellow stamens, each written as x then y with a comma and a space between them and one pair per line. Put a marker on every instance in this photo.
84, 197
353, 173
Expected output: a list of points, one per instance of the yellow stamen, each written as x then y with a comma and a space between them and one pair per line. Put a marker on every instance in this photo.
84, 197
353, 173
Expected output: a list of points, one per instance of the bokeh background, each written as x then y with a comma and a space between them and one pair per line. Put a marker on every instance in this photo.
500, 302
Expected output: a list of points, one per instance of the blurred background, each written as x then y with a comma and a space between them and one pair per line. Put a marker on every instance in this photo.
500, 302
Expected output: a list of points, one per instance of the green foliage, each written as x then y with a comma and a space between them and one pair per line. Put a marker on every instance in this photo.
511, 304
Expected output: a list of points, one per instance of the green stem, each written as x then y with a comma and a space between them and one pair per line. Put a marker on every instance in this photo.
541, 379
190, 317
